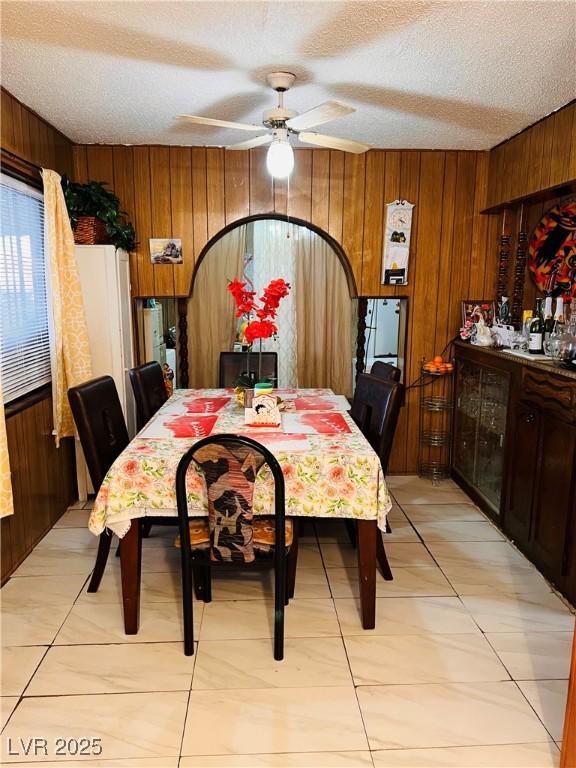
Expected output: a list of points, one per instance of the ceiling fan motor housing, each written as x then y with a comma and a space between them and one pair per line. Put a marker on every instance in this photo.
281, 81
276, 118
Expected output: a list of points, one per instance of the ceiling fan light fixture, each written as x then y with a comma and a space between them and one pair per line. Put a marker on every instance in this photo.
280, 157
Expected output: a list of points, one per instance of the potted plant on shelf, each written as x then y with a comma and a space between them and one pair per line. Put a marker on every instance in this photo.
95, 215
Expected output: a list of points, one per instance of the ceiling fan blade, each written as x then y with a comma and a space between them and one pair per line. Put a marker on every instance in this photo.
219, 123
323, 113
332, 142
257, 141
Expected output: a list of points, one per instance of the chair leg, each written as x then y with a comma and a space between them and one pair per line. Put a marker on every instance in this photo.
279, 600
187, 601
146, 528
292, 562
198, 579
351, 530
382, 558
104, 543
207, 583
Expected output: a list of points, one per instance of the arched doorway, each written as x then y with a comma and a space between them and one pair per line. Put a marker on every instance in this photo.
316, 323
332, 242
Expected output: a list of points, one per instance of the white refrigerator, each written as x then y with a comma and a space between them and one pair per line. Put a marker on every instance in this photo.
104, 274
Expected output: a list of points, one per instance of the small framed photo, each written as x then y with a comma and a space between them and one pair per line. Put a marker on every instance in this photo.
472, 308
166, 250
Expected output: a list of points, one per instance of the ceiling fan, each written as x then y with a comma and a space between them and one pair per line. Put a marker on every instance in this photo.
281, 122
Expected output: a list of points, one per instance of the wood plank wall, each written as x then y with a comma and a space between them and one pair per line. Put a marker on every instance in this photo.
30, 138
43, 477
193, 192
43, 481
529, 174
541, 157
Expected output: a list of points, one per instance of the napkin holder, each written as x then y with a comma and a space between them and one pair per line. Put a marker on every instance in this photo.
264, 411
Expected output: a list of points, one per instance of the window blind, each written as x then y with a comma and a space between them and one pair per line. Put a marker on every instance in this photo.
24, 339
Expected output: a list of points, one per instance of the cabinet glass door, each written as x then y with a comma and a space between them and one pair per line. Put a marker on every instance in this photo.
466, 418
491, 431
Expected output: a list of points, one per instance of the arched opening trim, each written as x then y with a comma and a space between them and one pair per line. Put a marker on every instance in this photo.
334, 244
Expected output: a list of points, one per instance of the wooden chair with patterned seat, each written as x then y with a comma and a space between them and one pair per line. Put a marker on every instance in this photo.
231, 534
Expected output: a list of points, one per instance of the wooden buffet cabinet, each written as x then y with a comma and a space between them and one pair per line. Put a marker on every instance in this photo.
514, 452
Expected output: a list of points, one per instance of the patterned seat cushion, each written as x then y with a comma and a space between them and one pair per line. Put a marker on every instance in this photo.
263, 528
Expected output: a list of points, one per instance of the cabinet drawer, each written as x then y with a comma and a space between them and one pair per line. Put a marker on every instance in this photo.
551, 393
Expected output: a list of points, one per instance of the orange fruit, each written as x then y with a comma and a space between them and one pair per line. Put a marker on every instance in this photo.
438, 359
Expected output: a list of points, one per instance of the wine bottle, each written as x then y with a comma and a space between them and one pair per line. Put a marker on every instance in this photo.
536, 330
548, 319
559, 319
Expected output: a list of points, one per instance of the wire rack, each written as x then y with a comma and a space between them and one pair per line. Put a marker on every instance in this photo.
435, 432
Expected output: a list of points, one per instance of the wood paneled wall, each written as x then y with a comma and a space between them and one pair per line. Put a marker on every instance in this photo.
528, 175
32, 139
541, 157
43, 477
193, 193
43, 481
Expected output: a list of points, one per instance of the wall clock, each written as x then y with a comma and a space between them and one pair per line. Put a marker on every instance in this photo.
552, 250
396, 250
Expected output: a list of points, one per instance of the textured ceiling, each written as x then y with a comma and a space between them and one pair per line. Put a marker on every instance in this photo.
453, 74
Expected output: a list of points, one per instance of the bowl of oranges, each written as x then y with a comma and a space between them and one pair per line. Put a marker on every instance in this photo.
437, 366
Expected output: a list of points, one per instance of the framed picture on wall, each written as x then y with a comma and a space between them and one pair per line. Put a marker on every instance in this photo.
165, 250
470, 308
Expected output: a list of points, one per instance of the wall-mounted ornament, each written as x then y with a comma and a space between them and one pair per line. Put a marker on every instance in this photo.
396, 250
166, 250
552, 250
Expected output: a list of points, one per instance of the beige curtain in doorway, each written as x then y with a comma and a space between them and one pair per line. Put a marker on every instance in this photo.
324, 316
71, 362
211, 310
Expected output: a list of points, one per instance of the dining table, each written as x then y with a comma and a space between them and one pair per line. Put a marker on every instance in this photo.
330, 471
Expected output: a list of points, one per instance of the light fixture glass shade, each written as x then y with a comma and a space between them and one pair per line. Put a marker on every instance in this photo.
280, 158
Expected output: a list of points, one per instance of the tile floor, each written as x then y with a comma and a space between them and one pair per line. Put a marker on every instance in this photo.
467, 666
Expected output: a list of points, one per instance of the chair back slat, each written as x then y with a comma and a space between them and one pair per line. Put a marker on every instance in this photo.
230, 464
375, 408
100, 423
149, 390
235, 364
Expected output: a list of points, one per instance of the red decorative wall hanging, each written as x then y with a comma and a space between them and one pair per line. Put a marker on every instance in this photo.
552, 250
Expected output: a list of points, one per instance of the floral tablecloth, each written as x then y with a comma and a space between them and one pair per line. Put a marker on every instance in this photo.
326, 475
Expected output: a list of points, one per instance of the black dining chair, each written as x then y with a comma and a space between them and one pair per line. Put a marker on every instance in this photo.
385, 371
231, 534
375, 409
233, 365
149, 390
150, 394
103, 435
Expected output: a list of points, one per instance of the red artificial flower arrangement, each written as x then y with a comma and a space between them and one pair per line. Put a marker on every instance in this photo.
246, 304
264, 308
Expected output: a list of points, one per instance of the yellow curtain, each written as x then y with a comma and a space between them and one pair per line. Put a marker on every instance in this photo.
211, 317
324, 316
71, 363
6, 505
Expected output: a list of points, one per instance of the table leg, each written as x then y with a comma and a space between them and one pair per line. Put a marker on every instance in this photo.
367, 530
130, 567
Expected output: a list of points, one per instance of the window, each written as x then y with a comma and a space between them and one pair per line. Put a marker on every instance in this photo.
24, 339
